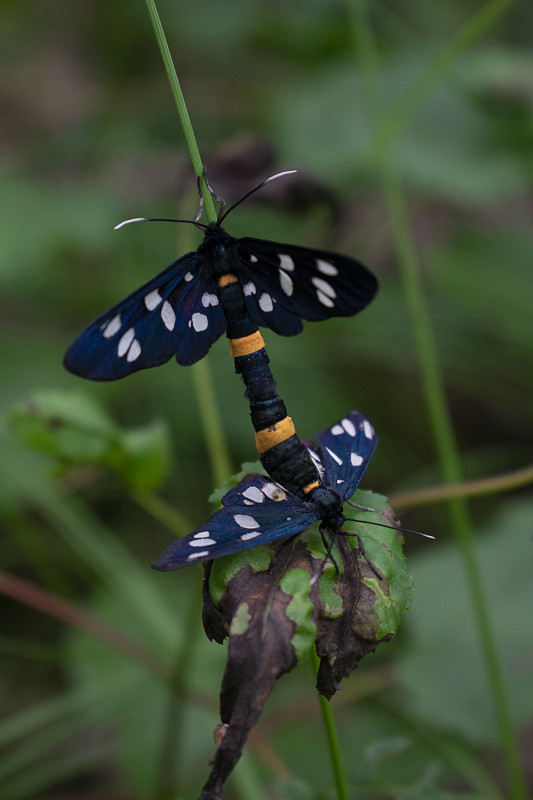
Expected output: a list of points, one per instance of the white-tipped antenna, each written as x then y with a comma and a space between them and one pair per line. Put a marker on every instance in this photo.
158, 219
279, 175
255, 189
383, 525
195, 221
127, 222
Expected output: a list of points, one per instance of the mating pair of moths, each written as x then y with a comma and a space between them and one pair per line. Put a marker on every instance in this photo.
237, 285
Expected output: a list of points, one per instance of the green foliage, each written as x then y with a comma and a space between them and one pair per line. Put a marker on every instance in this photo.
74, 429
249, 468
443, 633
90, 137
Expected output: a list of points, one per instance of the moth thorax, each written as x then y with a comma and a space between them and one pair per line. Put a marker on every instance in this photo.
327, 503
216, 248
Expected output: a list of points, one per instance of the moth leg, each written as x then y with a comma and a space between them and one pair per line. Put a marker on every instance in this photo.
218, 197
212, 192
361, 508
328, 546
372, 566
278, 550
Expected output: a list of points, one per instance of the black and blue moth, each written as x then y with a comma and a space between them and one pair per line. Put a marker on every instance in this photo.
259, 510
178, 313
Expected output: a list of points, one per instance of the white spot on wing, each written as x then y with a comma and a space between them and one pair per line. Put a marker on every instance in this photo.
168, 315
326, 268
201, 542
199, 322
254, 494
253, 259
356, 460
251, 535
201, 554
112, 327
324, 299
188, 277
124, 342
265, 302
202, 535
337, 430
286, 262
152, 300
368, 429
285, 282
245, 521
249, 288
324, 286
334, 456
135, 351
348, 426
274, 492
209, 299
317, 462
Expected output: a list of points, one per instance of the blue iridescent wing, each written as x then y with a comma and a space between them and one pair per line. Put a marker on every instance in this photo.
255, 511
346, 449
176, 313
306, 283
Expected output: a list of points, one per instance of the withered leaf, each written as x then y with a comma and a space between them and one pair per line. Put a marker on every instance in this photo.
278, 604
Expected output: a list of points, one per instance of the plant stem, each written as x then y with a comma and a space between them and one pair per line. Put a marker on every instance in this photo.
77, 617
163, 511
405, 110
174, 726
475, 488
433, 386
182, 108
332, 738
216, 443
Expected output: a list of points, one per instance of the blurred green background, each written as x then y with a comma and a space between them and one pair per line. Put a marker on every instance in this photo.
90, 136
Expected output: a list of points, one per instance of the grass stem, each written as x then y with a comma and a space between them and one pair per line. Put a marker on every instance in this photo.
432, 379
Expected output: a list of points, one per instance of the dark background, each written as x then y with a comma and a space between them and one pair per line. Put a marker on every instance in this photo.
90, 136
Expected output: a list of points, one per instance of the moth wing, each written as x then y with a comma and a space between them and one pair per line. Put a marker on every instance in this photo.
345, 450
307, 283
175, 313
255, 512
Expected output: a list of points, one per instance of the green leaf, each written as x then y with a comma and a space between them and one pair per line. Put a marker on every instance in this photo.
75, 431
300, 610
247, 468
443, 672
383, 547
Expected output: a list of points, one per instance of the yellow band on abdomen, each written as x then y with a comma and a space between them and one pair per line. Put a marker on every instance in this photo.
246, 345
269, 437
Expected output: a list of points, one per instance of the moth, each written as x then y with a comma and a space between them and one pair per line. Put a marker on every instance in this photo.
259, 510
178, 313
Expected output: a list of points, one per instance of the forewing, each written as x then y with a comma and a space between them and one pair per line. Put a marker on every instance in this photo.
255, 512
176, 313
346, 449
308, 284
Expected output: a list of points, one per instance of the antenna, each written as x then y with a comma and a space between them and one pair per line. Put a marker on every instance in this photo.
255, 189
222, 213
384, 525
